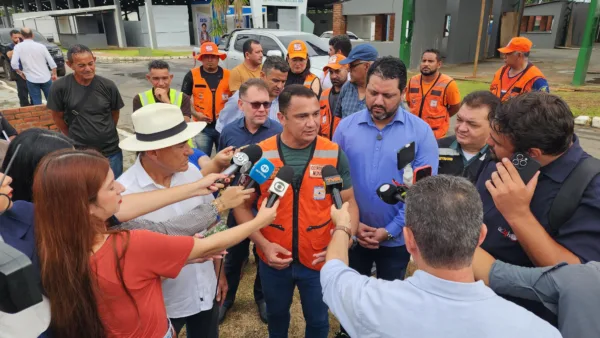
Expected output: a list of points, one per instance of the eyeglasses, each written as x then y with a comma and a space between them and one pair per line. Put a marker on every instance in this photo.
256, 105
354, 65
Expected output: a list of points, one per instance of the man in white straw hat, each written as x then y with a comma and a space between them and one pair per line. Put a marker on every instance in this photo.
160, 140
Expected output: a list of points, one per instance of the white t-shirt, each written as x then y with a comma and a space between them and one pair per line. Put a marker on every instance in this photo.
193, 291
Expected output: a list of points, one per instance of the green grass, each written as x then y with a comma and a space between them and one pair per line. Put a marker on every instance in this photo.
581, 103
136, 52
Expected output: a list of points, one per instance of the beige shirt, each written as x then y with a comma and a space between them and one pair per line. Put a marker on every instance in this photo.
241, 74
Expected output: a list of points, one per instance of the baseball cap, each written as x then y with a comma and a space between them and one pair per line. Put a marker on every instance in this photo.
297, 49
364, 52
334, 62
518, 44
210, 48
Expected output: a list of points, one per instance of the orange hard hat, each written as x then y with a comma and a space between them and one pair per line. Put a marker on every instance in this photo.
210, 48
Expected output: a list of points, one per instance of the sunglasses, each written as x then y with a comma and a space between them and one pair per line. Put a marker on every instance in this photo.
354, 65
256, 105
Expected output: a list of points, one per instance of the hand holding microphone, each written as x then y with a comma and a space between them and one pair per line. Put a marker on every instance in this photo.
333, 184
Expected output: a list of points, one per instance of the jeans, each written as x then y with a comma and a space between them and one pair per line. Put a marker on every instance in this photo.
22, 91
206, 139
234, 262
116, 163
391, 262
204, 324
36, 89
278, 288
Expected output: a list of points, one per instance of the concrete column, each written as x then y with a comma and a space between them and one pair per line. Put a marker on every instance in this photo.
301, 10
119, 25
151, 26
339, 20
38, 4
70, 3
53, 5
26, 5
257, 17
92, 3
7, 16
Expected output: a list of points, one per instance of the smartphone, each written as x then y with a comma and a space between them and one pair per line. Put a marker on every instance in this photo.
405, 155
526, 166
421, 172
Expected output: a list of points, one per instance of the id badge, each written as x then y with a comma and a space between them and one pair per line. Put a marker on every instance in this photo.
433, 104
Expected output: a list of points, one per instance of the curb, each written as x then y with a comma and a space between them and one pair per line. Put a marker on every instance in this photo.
587, 121
113, 59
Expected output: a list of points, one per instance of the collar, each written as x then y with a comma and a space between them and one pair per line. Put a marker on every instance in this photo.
476, 291
559, 169
456, 146
144, 180
242, 123
365, 117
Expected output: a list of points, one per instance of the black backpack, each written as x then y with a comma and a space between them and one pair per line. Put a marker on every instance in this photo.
570, 193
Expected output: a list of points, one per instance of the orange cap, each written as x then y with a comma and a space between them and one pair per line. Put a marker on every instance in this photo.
210, 48
334, 62
297, 49
518, 44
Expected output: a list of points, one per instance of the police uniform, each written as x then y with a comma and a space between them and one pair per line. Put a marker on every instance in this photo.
453, 162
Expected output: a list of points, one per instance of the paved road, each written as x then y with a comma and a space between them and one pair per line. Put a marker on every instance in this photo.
130, 78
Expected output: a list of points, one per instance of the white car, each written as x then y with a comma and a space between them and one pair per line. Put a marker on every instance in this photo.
329, 34
273, 42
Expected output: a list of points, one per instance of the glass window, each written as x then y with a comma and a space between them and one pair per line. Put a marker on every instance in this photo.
240, 39
268, 44
316, 46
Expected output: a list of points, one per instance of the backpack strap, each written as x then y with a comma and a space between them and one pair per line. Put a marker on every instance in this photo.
570, 193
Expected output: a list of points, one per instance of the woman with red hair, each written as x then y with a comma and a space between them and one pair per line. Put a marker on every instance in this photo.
107, 283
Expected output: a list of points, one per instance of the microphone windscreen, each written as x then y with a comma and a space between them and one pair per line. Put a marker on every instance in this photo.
286, 174
328, 171
254, 152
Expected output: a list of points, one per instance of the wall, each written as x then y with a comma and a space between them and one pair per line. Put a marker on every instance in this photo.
323, 22
87, 24
361, 26
287, 19
554, 37
428, 28
97, 41
29, 117
579, 17
110, 29
500, 6
134, 34
464, 28
45, 25
171, 23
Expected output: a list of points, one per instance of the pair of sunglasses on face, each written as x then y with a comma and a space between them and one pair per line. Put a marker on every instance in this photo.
256, 105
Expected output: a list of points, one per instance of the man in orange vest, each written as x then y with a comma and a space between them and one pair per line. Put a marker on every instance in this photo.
208, 85
433, 96
329, 98
518, 75
292, 249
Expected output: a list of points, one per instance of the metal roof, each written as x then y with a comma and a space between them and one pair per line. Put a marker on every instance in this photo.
63, 12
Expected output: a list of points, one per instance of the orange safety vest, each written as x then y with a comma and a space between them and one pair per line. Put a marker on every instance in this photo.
204, 98
309, 80
430, 106
522, 85
328, 122
303, 221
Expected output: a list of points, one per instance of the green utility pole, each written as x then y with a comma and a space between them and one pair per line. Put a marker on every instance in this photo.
585, 51
406, 30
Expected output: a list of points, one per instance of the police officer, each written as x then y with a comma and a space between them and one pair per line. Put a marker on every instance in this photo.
208, 85
292, 249
518, 75
466, 152
433, 96
160, 77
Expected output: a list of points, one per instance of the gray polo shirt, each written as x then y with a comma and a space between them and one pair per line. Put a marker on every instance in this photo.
570, 291
424, 306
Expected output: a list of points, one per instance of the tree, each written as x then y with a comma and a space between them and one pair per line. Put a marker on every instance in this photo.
220, 7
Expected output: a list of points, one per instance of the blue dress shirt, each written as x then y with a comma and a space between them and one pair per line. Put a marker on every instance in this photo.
373, 162
231, 112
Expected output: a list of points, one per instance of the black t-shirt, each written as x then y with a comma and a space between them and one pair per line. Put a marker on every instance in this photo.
212, 79
88, 111
11, 47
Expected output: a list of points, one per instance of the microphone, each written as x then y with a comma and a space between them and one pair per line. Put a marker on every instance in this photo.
260, 173
391, 194
244, 178
333, 184
250, 154
280, 184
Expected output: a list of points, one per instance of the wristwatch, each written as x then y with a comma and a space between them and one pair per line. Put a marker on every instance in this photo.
389, 236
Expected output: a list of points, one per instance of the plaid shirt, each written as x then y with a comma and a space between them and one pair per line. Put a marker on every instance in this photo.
348, 102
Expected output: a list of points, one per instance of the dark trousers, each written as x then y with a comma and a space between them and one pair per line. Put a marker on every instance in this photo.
116, 163
204, 324
22, 91
390, 262
279, 288
208, 138
234, 262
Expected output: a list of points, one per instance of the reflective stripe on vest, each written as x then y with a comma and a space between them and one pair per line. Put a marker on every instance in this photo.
303, 221
204, 98
522, 85
328, 122
309, 80
175, 96
430, 106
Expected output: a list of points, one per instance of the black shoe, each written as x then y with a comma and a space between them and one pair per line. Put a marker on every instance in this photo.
222, 313
262, 311
341, 334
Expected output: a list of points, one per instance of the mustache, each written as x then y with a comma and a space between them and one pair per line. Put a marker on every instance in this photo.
377, 106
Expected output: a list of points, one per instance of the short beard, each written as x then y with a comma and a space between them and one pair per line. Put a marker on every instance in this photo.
427, 73
382, 117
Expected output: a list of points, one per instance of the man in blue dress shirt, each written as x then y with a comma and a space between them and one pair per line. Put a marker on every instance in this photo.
253, 127
371, 138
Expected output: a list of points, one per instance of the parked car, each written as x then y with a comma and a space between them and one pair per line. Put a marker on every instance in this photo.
329, 34
54, 50
273, 42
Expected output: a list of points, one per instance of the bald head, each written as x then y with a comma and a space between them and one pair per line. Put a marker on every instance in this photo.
27, 33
